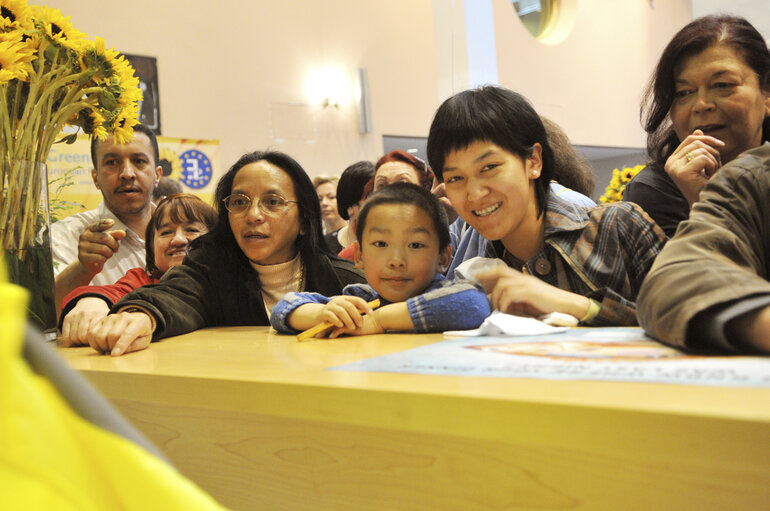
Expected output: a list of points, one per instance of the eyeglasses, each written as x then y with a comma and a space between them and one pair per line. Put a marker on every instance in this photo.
270, 204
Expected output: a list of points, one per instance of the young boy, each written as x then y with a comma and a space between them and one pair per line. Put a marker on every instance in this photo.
403, 248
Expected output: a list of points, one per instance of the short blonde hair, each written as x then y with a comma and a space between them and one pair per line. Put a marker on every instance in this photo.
320, 180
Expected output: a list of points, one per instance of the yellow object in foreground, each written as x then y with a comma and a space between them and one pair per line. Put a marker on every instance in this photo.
54, 459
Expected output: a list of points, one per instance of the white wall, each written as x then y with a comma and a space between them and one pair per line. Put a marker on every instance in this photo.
590, 83
756, 11
236, 70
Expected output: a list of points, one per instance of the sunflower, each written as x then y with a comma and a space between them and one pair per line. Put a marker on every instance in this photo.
59, 29
617, 186
123, 84
27, 52
93, 59
123, 123
172, 165
97, 119
91, 121
15, 14
15, 59
637, 169
50, 73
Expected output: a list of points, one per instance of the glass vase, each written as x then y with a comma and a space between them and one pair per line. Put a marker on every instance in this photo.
25, 238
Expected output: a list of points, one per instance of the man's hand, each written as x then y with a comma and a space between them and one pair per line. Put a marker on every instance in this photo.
96, 245
121, 333
88, 312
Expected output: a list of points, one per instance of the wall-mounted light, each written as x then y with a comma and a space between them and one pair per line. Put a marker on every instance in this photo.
362, 101
329, 87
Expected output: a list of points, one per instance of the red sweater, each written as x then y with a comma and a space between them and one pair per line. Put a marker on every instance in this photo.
133, 279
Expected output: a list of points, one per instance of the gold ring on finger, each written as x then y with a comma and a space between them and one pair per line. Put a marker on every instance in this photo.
689, 156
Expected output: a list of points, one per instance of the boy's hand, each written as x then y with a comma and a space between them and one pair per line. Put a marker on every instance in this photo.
345, 312
391, 317
369, 325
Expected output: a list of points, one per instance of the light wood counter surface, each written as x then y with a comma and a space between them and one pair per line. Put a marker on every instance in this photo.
256, 420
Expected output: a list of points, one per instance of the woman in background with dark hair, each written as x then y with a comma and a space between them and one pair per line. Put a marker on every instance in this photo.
267, 241
350, 192
707, 102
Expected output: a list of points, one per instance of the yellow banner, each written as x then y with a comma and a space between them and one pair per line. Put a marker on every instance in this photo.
194, 163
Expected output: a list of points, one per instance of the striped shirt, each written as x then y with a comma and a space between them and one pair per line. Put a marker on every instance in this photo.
602, 253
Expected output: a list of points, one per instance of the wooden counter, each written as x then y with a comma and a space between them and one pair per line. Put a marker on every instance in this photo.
255, 419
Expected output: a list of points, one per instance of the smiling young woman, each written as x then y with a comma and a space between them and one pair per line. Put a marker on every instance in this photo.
491, 150
707, 102
267, 241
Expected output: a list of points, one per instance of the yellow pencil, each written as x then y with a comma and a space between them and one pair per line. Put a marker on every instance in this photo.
322, 327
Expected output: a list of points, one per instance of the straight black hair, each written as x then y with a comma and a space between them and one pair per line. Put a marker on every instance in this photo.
492, 114
350, 188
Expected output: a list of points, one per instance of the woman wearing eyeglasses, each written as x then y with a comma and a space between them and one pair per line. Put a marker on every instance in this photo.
267, 241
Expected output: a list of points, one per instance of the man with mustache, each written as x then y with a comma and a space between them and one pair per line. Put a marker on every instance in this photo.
98, 247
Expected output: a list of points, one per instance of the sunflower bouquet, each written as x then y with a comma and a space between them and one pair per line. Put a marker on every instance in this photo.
51, 76
620, 178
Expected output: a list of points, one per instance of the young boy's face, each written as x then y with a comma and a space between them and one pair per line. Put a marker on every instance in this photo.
399, 251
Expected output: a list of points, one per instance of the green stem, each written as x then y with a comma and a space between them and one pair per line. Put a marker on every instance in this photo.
59, 119
16, 101
5, 127
30, 205
22, 132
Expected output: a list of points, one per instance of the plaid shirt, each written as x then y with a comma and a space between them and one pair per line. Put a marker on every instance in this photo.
602, 253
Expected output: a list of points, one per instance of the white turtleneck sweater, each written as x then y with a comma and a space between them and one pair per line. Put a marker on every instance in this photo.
279, 279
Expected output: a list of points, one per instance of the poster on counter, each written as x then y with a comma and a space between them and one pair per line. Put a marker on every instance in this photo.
605, 354
192, 162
